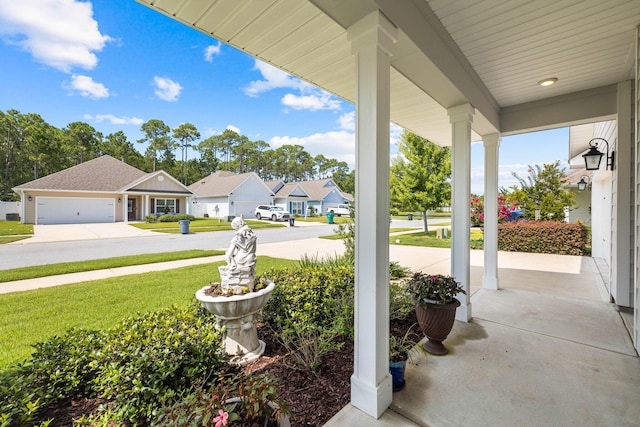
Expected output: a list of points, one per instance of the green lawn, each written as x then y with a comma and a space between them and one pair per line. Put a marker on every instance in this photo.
12, 231
323, 219
99, 264
419, 238
200, 225
32, 316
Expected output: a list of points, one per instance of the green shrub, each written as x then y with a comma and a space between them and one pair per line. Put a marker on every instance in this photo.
549, 237
58, 369
310, 308
138, 367
175, 217
396, 271
150, 359
400, 302
150, 219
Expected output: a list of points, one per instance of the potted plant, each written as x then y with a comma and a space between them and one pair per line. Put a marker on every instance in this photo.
434, 296
234, 400
399, 354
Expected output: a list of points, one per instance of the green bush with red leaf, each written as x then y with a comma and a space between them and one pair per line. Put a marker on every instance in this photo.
547, 237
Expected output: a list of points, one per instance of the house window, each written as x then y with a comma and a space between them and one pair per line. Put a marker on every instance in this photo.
297, 208
165, 206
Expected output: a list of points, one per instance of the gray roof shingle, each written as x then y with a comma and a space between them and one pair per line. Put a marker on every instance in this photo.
100, 174
219, 183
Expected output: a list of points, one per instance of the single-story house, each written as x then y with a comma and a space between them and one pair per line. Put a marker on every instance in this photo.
322, 194
223, 194
293, 198
579, 182
101, 190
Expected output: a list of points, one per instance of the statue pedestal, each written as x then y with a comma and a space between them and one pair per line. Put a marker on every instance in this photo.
238, 315
238, 280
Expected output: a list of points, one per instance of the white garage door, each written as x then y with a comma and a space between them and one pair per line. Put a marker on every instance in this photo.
245, 209
72, 210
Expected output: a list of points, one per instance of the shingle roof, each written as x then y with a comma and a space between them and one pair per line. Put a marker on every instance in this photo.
317, 190
288, 188
219, 183
100, 174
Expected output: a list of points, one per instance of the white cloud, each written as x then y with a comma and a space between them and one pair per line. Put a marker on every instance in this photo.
309, 97
167, 89
87, 87
58, 33
338, 145
235, 129
347, 121
272, 78
394, 133
211, 51
315, 102
114, 120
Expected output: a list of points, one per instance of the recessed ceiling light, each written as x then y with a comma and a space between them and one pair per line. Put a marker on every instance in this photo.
548, 82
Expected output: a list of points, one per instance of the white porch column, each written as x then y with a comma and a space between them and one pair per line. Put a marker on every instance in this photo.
125, 208
461, 118
371, 40
491, 150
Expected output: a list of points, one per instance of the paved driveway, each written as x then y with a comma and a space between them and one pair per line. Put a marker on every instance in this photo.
71, 232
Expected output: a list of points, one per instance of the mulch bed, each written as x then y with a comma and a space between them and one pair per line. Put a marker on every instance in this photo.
313, 397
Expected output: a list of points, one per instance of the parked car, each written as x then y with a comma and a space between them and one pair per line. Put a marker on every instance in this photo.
274, 213
339, 210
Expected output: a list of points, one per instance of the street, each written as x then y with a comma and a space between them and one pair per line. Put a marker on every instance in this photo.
25, 255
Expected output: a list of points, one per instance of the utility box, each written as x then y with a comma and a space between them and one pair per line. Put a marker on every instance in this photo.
442, 233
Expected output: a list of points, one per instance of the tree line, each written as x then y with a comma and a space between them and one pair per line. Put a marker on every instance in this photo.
31, 148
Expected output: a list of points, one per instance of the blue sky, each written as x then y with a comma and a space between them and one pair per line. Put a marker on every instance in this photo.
116, 64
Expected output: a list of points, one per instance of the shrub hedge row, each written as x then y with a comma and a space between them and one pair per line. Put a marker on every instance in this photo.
140, 366
547, 237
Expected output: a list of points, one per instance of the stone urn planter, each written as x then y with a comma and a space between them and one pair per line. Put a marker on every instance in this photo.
436, 322
237, 314
435, 307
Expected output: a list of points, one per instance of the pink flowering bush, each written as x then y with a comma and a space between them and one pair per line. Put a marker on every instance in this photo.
240, 400
505, 207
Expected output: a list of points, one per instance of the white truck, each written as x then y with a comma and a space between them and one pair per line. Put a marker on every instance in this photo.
338, 210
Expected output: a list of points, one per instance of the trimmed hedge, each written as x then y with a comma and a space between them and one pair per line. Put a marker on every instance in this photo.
546, 237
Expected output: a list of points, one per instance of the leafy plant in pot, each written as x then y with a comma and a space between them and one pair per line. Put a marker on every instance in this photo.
399, 354
434, 295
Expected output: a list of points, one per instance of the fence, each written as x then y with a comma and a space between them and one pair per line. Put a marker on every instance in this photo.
9, 208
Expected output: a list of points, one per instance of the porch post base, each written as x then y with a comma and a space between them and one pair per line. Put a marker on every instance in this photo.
463, 313
490, 283
372, 401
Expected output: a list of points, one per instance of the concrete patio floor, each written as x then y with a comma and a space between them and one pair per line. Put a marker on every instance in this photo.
548, 349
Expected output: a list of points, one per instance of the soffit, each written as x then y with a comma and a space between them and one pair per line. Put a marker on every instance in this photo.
491, 53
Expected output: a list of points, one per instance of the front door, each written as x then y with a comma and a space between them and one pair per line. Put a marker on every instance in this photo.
131, 209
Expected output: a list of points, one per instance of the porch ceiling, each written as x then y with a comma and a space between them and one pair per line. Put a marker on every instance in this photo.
490, 53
